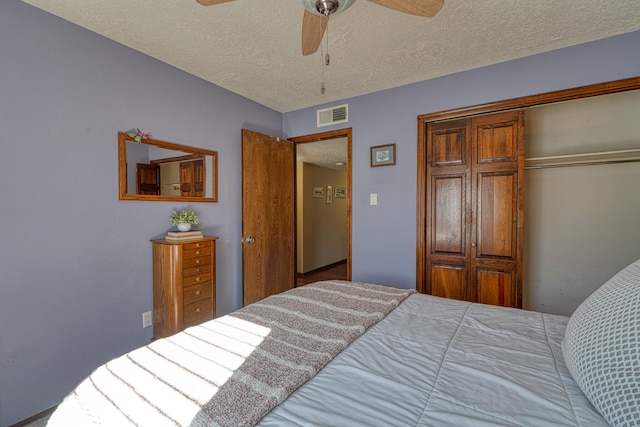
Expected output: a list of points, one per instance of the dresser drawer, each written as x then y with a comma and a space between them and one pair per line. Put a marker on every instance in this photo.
194, 262
197, 312
198, 278
197, 292
192, 250
200, 269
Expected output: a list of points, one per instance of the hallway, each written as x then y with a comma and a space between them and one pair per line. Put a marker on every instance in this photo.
337, 271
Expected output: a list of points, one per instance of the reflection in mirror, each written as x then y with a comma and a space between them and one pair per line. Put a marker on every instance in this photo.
159, 170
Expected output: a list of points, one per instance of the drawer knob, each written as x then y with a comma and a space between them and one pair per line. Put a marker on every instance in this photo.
198, 279
198, 292
198, 310
197, 261
197, 252
197, 245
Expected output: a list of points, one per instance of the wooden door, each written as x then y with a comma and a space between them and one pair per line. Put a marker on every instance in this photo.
148, 178
192, 177
199, 178
186, 179
448, 208
474, 204
268, 216
498, 219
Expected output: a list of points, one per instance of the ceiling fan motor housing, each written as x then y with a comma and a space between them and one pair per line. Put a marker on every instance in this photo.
326, 7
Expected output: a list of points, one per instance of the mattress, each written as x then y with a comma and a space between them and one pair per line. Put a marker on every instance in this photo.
344, 354
440, 362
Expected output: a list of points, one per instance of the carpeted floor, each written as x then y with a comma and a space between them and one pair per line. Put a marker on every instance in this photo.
40, 422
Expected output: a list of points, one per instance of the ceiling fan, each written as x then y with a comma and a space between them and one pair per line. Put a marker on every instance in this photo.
316, 15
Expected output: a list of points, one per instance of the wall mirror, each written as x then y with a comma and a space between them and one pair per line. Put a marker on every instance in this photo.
164, 171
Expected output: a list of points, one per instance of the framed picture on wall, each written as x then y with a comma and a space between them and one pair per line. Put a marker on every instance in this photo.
341, 192
383, 155
329, 194
318, 192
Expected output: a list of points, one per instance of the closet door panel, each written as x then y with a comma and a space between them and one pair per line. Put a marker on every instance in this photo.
448, 215
449, 281
449, 144
496, 215
495, 287
496, 140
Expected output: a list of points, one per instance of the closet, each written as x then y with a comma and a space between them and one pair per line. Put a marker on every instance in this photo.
581, 221
473, 229
582, 198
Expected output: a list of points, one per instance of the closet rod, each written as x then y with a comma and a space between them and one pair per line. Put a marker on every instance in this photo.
597, 153
607, 158
587, 163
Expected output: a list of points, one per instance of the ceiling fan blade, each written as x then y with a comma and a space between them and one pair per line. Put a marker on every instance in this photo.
212, 2
313, 28
426, 8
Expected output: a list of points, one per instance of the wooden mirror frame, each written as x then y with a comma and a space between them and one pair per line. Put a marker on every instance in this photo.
122, 170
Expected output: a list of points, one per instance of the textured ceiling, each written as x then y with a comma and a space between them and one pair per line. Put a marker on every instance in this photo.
253, 47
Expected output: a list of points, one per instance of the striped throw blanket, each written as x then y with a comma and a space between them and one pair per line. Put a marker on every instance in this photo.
232, 370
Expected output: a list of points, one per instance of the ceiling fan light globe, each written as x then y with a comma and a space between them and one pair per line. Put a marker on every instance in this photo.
327, 6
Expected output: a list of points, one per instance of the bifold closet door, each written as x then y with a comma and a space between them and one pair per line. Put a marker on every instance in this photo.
474, 209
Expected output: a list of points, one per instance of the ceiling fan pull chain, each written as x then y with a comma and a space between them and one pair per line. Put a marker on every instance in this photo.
325, 58
322, 88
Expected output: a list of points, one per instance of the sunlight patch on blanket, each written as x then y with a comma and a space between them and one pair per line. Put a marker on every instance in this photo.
153, 386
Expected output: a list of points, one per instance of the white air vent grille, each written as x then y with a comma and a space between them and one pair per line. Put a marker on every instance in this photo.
333, 115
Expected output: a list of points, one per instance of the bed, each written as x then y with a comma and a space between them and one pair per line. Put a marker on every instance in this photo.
338, 353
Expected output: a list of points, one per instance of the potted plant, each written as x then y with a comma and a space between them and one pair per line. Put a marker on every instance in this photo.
183, 219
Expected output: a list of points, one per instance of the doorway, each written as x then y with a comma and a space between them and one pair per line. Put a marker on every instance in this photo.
324, 159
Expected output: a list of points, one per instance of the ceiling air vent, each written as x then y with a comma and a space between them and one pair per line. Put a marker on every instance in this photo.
333, 115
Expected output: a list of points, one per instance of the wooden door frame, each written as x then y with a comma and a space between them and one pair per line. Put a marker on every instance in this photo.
334, 134
597, 89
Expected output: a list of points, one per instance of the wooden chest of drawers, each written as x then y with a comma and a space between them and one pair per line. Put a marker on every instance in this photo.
184, 284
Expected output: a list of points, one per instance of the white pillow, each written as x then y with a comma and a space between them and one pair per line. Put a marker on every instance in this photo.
601, 347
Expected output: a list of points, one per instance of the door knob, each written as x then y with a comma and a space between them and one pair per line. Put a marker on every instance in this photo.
249, 240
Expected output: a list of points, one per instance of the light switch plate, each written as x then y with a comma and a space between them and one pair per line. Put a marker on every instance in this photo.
373, 199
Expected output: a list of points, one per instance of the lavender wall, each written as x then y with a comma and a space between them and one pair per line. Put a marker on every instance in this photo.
75, 262
384, 243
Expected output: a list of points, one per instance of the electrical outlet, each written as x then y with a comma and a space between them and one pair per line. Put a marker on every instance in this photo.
147, 319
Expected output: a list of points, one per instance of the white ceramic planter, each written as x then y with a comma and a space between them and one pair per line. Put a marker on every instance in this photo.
184, 227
